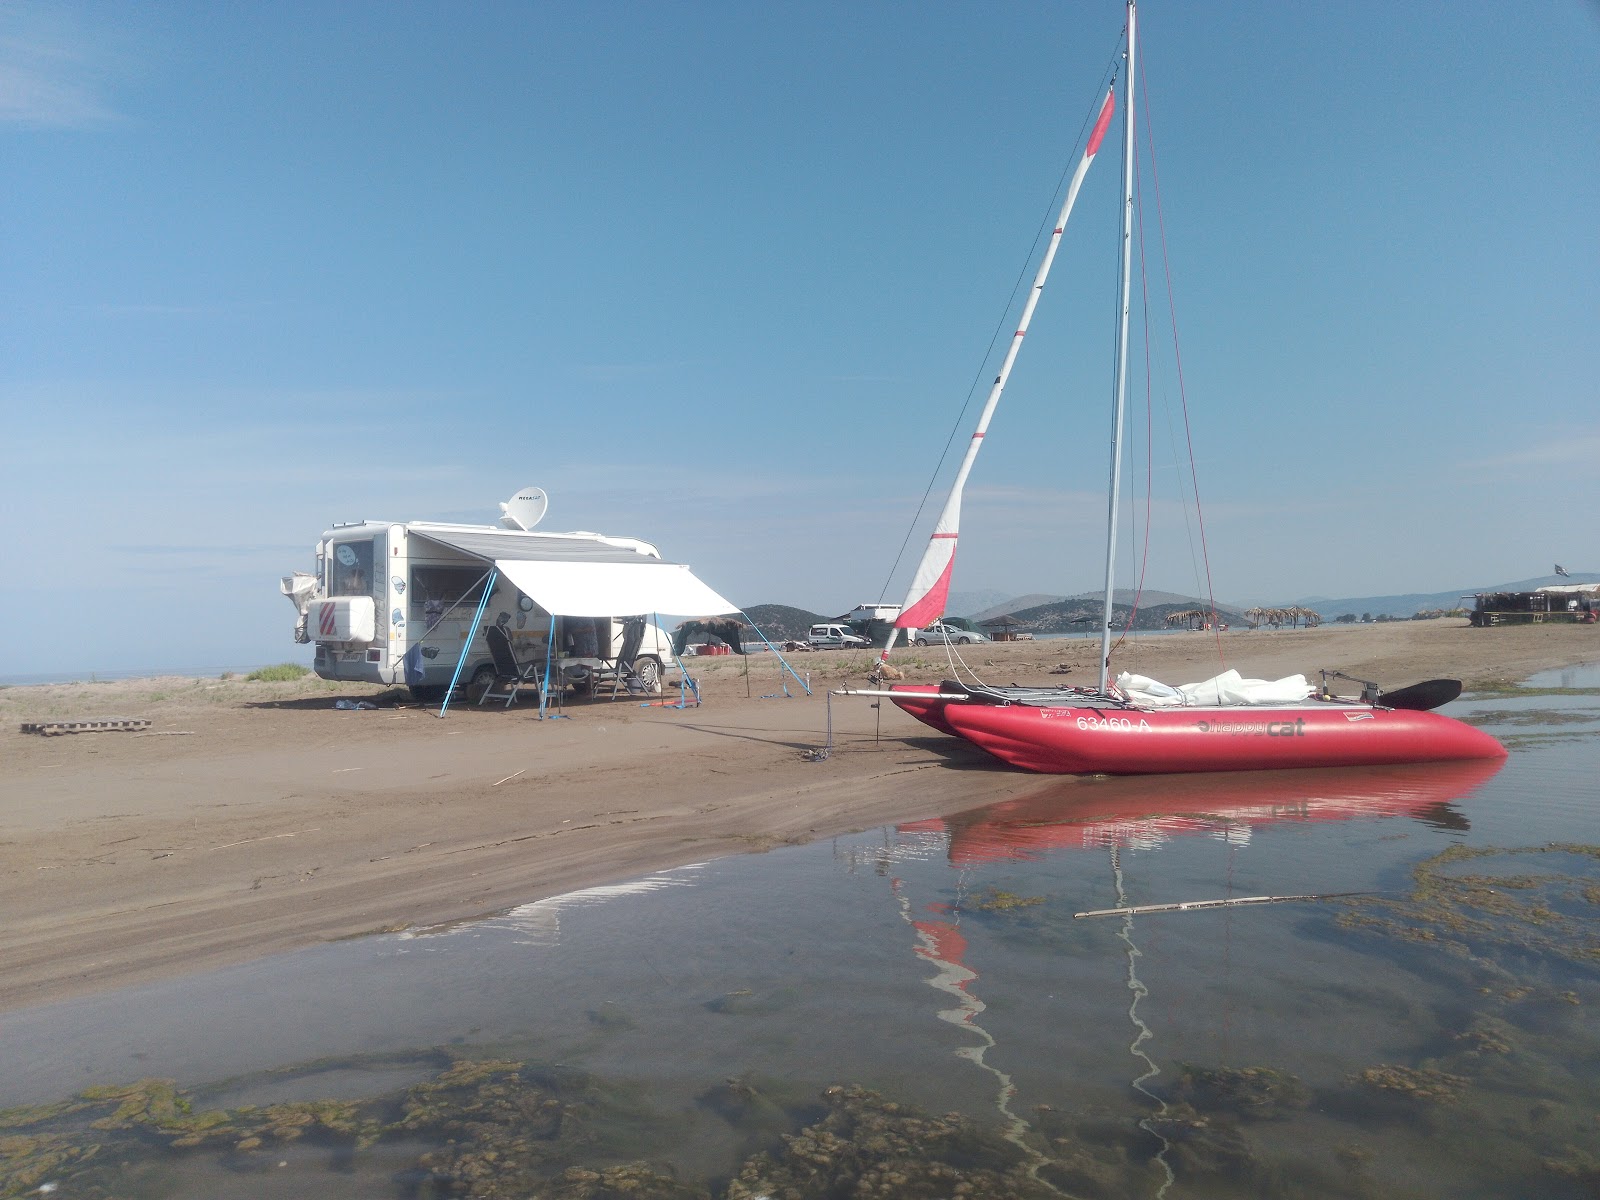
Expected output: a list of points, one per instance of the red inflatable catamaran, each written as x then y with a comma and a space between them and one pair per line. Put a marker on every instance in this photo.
1118, 730
1086, 737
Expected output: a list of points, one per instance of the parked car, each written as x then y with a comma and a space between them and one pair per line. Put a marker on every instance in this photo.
835, 637
941, 634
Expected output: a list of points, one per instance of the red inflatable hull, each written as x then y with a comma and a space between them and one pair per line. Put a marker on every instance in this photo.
1111, 741
924, 703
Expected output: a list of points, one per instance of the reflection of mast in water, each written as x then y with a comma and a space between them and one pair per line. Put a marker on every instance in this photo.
943, 944
1136, 1047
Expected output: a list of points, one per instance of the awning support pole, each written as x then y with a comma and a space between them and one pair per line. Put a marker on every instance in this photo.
549, 653
777, 655
466, 646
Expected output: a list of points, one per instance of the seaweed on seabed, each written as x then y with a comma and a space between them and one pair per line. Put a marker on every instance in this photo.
511, 1131
503, 1134
1253, 1093
992, 899
1417, 1086
96, 1136
1479, 914
869, 1146
1100, 1154
501, 1129
31, 1160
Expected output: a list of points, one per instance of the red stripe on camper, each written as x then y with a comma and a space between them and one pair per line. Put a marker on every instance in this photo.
326, 623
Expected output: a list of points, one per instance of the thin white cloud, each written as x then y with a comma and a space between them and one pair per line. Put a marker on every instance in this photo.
51, 75
1577, 448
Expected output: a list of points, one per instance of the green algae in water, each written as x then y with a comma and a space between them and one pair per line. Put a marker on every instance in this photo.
1419, 1085
1544, 915
1534, 716
1255, 1093
869, 1146
497, 1128
746, 1003
993, 900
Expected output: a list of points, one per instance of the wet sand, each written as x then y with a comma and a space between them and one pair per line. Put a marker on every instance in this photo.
252, 818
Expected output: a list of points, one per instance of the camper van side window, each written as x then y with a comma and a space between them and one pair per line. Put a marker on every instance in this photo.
444, 587
352, 569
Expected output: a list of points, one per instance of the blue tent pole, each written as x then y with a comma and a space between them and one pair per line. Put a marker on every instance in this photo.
549, 650
466, 646
684, 681
774, 650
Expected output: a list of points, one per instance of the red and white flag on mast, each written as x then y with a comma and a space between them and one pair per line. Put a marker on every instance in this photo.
930, 586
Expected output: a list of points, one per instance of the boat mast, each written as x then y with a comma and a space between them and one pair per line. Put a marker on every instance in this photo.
1122, 351
930, 586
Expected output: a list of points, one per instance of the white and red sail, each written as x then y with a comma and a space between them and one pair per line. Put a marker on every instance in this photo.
930, 586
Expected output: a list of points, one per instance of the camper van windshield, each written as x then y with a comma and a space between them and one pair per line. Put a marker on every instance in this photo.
351, 569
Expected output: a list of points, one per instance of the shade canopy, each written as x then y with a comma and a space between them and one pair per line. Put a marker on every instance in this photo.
576, 576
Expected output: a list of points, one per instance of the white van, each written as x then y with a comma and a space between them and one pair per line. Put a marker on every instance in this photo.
835, 637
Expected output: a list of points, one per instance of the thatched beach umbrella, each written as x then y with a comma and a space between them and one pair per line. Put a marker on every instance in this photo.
1196, 617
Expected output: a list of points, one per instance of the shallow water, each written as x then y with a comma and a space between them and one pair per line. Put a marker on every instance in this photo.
1428, 1036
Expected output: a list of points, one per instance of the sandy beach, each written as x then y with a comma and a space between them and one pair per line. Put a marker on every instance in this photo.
252, 818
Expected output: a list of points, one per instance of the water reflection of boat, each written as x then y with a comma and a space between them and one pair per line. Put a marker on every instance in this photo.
1147, 810
1106, 814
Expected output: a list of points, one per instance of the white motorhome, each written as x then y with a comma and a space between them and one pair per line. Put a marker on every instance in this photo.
872, 612
394, 602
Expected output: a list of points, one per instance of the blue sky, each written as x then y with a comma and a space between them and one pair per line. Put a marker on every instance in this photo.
722, 276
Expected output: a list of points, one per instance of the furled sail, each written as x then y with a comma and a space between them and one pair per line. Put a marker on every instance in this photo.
930, 586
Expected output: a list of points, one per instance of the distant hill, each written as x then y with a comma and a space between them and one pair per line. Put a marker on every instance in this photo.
1122, 596
985, 600
1000, 608
1074, 614
781, 623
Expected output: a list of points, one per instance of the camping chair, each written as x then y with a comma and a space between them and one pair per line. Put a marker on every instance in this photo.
622, 667
509, 674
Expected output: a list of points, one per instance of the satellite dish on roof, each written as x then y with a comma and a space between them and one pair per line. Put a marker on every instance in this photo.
525, 509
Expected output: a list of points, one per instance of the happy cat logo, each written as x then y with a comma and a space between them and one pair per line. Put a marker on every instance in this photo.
1294, 728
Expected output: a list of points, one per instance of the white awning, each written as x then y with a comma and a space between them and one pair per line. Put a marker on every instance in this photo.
585, 575
607, 589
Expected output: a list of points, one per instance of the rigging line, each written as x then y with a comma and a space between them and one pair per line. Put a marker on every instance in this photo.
1149, 404
1183, 499
1177, 354
1183, 502
1149, 449
1135, 1048
958, 664
1109, 79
